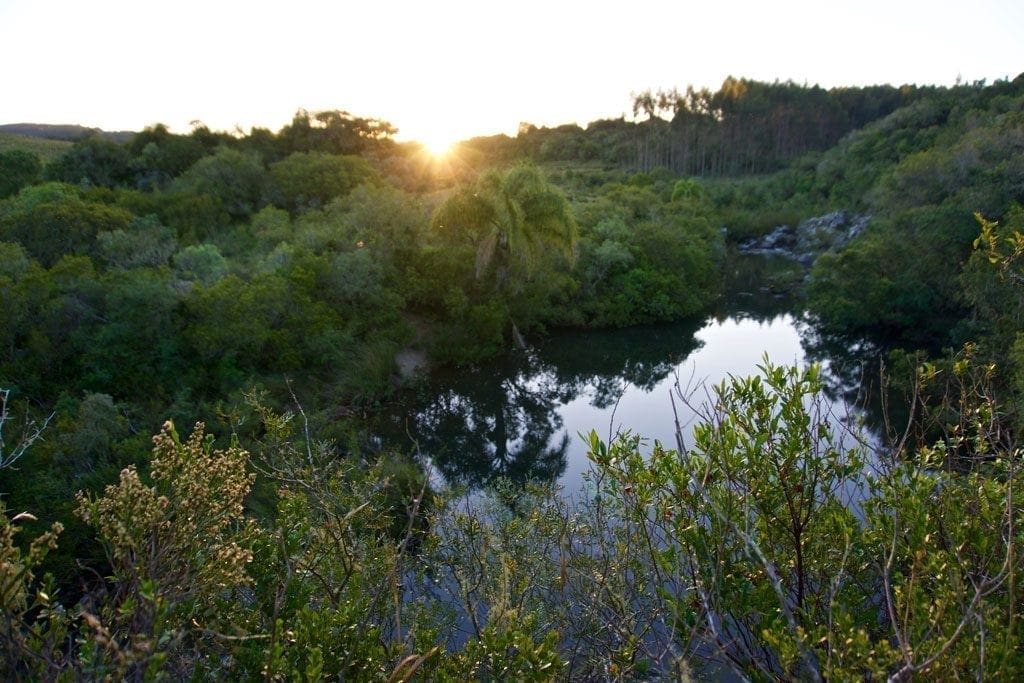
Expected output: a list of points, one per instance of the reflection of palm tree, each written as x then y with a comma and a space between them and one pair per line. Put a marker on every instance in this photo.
523, 435
480, 431
502, 420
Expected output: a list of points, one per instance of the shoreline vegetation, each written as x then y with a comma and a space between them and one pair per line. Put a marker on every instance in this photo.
273, 289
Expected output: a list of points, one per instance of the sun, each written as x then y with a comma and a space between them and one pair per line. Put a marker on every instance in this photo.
438, 143
438, 148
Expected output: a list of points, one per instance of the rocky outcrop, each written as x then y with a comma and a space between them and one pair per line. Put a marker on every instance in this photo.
810, 239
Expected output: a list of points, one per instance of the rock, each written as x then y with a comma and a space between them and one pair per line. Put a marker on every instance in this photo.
831, 231
811, 238
780, 240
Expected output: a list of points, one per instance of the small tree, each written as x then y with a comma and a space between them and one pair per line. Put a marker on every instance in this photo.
798, 558
309, 180
18, 168
34, 642
33, 625
178, 551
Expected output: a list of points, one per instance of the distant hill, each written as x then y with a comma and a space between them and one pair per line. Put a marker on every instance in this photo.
68, 132
46, 149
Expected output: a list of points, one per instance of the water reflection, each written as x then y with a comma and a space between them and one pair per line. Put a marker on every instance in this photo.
496, 421
761, 287
505, 419
600, 363
518, 418
857, 375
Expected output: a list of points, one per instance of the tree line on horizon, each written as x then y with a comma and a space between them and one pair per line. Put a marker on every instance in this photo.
744, 127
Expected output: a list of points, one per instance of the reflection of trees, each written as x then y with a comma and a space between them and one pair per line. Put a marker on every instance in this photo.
760, 287
853, 375
602, 362
501, 419
495, 421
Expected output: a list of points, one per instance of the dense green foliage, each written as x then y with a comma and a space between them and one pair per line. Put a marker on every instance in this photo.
218, 278
923, 172
165, 276
18, 168
770, 545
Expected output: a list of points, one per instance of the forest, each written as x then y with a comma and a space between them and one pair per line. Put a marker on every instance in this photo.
197, 328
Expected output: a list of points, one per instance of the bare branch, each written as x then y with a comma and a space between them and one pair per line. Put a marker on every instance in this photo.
33, 432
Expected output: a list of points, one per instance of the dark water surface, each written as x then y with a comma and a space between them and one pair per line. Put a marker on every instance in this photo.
520, 417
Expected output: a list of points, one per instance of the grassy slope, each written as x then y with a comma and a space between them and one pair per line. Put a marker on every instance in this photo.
48, 150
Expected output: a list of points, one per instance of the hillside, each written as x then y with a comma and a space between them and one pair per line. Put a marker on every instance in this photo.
46, 149
66, 132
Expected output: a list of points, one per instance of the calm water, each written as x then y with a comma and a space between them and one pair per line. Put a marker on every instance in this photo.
520, 418
722, 347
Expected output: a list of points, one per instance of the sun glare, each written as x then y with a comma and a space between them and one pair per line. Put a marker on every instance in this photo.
438, 144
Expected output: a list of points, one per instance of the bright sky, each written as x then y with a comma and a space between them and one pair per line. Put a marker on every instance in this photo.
449, 69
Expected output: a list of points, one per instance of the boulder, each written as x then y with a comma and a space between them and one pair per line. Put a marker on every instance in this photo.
810, 238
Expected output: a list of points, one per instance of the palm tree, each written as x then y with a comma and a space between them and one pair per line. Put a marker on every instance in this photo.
512, 218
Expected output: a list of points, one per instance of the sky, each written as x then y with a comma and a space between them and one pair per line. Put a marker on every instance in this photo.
442, 70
